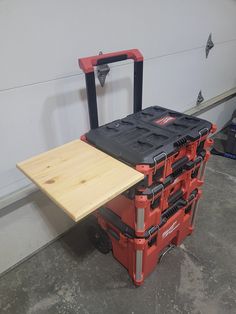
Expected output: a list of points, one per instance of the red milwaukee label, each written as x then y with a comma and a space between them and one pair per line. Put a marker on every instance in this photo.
164, 120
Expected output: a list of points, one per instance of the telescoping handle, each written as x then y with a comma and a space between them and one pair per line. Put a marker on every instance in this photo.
88, 64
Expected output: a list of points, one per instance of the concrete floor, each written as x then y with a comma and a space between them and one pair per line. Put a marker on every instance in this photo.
69, 276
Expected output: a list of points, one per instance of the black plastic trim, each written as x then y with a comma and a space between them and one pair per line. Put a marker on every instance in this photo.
174, 197
179, 163
112, 59
138, 138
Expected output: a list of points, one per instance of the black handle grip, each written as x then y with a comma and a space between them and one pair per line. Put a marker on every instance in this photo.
87, 64
117, 222
112, 59
174, 197
168, 181
169, 212
114, 234
179, 163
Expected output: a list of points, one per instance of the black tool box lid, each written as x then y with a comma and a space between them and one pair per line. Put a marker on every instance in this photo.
140, 137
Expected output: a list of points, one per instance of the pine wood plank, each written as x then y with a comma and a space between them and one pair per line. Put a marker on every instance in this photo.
78, 177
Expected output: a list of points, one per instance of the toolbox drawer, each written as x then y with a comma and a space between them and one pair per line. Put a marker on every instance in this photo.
143, 208
140, 255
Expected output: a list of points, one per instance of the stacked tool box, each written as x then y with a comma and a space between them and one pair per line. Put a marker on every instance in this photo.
171, 150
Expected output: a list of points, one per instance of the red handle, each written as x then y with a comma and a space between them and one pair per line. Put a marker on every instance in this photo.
87, 64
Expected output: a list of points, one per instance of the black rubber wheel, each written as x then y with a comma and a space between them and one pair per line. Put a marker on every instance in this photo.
99, 239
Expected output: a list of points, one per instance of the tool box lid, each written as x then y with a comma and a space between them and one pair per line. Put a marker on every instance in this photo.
142, 136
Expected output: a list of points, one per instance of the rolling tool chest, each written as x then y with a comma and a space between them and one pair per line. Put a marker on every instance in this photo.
171, 150
145, 173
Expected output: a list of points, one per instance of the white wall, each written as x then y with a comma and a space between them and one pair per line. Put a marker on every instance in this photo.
42, 91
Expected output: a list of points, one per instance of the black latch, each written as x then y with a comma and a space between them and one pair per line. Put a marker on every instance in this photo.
174, 197
180, 163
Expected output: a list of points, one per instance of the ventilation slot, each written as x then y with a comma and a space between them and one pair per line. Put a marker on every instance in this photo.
181, 142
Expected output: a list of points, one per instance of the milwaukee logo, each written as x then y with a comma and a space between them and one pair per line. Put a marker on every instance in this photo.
164, 120
170, 230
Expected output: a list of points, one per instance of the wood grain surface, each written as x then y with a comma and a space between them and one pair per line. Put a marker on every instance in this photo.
78, 177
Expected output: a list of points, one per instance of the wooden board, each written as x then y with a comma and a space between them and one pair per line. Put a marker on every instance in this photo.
78, 177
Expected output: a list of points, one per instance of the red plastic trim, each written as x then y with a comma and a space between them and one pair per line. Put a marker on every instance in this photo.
87, 64
213, 128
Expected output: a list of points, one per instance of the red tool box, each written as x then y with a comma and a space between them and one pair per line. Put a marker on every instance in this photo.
142, 209
171, 149
140, 255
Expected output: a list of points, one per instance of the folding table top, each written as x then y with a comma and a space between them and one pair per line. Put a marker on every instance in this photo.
78, 177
